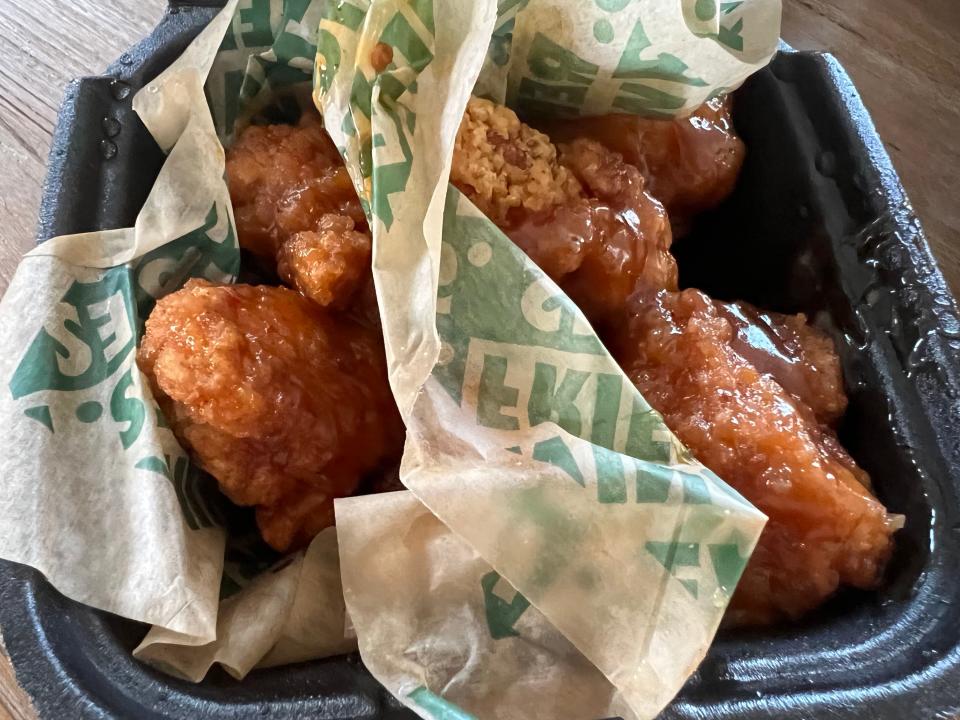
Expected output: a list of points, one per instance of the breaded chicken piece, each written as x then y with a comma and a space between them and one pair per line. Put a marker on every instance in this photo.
825, 528
295, 205
632, 230
285, 404
283, 179
509, 168
327, 265
801, 358
512, 174
582, 215
691, 164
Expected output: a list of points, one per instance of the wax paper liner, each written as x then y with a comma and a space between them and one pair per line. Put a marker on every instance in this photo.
524, 437
98, 495
101, 499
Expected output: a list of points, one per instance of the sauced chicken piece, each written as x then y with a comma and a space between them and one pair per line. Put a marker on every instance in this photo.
295, 205
825, 528
581, 215
511, 173
801, 358
509, 168
285, 404
691, 164
327, 265
283, 179
632, 233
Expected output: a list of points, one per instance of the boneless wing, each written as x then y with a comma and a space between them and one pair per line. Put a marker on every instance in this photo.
328, 264
284, 403
512, 174
296, 208
825, 528
691, 164
632, 247
801, 358
579, 212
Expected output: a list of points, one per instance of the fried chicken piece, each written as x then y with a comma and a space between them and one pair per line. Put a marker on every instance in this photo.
285, 404
691, 164
632, 230
508, 169
582, 215
292, 523
295, 205
825, 528
327, 265
283, 179
801, 358
511, 173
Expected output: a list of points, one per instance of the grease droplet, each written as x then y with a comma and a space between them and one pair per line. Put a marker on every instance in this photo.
447, 354
719, 598
120, 90
111, 127
826, 163
108, 149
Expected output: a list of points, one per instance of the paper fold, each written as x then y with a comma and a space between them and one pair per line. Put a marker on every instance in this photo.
526, 440
557, 553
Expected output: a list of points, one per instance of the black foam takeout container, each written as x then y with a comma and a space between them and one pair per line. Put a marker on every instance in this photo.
819, 223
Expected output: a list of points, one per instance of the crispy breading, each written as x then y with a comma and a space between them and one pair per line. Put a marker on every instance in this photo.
801, 358
633, 238
581, 214
507, 168
284, 403
296, 206
825, 529
283, 179
328, 264
691, 164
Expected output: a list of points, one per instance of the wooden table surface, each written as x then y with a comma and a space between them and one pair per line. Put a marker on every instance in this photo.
904, 58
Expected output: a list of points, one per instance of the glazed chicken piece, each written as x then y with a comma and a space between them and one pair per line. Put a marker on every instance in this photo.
512, 174
691, 164
284, 403
632, 230
801, 358
296, 208
327, 265
581, 214
825, 528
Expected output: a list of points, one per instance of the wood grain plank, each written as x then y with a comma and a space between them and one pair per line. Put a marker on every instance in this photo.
46, 43
905, 61
14, 703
